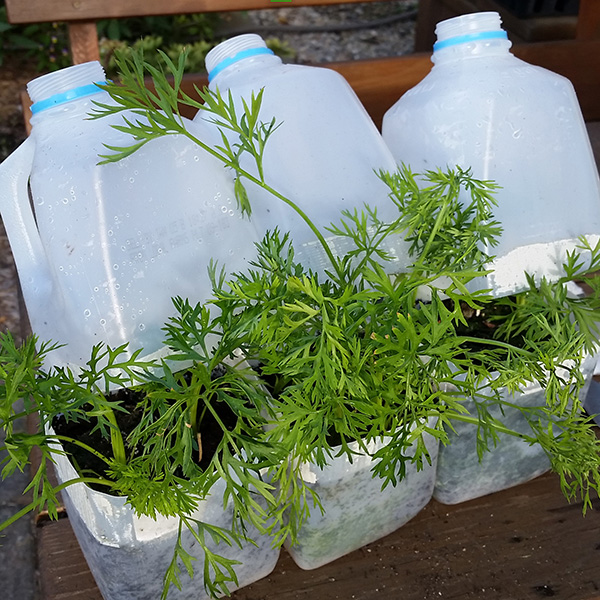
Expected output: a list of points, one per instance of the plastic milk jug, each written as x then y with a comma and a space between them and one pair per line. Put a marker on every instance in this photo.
480, 107
106, 247
324, 154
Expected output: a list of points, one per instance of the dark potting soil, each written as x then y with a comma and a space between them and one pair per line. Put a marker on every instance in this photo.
131, 400
482, 324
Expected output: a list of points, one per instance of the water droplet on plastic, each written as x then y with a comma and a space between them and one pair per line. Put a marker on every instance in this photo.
103, 322
141, 327
116, 267
223, 209
87, 312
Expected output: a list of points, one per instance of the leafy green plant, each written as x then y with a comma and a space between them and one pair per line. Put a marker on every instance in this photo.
295, 322
361, 355
195, 50
157, 464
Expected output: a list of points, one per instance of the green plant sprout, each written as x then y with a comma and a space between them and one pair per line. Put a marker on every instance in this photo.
446, 237
359, 356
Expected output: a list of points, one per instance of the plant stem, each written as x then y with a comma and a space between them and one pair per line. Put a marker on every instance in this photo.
260, 182
116, 438
63, 438
497, 426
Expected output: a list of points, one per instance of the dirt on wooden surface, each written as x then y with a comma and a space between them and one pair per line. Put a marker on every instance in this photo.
526, 543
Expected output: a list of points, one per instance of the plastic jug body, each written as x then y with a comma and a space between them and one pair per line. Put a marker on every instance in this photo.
520, 125
122, 239
324, 154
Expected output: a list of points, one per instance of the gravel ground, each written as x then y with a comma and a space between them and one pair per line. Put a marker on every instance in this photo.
338, 33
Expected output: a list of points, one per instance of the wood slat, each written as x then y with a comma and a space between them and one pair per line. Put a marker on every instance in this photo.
83, 39
37, 11
379, 83
525, 543
588, 23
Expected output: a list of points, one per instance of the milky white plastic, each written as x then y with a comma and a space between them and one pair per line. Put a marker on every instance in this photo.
356, 510
480, 107
129, 555
462, 475
324, 154
106, 247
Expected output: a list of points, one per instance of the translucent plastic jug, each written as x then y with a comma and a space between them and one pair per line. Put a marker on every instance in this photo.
106, 247
517, 124
324, 154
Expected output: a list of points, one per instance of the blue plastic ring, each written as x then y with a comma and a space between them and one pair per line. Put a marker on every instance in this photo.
470, 37
227, 62
78, 92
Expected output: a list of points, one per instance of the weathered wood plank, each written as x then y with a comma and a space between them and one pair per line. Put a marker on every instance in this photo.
525, 543
83, 39
379, 83
588, 22
37, 11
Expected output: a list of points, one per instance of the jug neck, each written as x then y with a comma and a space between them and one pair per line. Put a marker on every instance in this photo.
470, 36
64, 88
242, 50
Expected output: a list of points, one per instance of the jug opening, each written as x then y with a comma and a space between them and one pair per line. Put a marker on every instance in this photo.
65, 80
233, 50
469, 28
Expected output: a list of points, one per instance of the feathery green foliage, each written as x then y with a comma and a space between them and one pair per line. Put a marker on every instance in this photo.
360, 356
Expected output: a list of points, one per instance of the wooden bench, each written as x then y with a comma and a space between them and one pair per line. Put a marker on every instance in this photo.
378, 82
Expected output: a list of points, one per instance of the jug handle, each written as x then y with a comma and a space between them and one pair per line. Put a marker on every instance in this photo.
21, 229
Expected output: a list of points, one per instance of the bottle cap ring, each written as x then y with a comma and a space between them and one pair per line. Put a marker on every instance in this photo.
56, 99
470, 37
233, 59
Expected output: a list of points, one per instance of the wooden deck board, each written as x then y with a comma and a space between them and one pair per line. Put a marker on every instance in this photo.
525, 543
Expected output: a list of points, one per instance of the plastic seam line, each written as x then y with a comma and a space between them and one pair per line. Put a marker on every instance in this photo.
226, 62
78, 92
470, 37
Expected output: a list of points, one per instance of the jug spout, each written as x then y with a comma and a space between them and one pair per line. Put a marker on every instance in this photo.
23, 235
